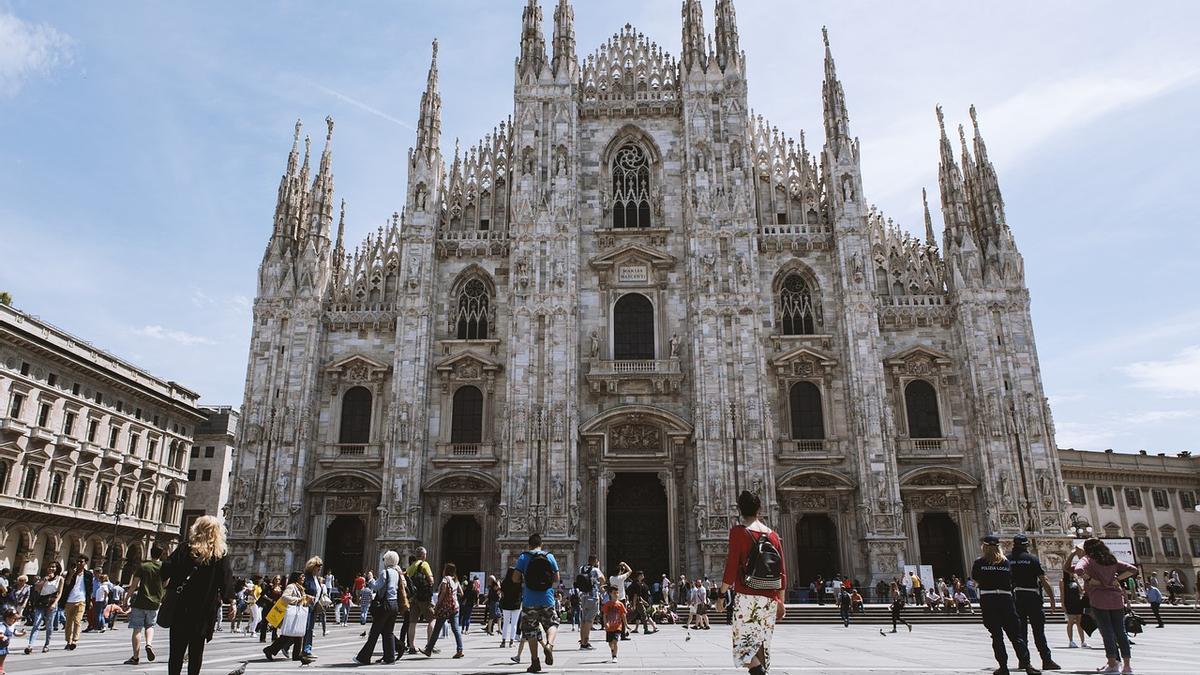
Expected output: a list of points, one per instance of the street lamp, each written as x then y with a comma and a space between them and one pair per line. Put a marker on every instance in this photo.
1080, 526
118, 511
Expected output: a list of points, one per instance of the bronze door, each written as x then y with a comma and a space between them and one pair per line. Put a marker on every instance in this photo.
636, 530
344, 539
462, 544
941, 545
816, 548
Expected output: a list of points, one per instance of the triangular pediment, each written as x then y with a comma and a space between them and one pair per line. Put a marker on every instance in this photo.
919, 352
466, 360
632, 252
804, 353
357, 361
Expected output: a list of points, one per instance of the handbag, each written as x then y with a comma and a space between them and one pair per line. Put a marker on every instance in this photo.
171, 600
277, 613
378, 600
295, 621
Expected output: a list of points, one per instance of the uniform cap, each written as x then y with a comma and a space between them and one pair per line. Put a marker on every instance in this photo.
1020, 540
990, 539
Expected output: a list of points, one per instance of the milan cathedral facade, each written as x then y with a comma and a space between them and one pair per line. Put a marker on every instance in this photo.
630, 301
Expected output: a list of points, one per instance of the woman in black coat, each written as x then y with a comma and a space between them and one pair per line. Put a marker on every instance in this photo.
199, 575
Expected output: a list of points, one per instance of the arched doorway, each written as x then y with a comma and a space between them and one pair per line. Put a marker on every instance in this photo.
636, 525
941, 544
816, 548
344, 540
462, 544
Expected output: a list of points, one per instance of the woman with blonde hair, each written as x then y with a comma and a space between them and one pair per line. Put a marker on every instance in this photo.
993, 572
314, 587
198, 580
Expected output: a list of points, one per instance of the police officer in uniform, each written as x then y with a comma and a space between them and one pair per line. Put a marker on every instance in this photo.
993, 575
1028, 581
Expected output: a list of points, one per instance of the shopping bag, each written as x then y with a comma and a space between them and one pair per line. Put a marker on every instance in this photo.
278, 611
295, 621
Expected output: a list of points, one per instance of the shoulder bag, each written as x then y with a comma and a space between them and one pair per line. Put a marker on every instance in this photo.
173, 596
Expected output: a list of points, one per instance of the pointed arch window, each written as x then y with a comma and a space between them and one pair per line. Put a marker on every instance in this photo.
471, 316
796, 311
466, 422
356, 416
631, 188
633, 328
808, 419
921, 405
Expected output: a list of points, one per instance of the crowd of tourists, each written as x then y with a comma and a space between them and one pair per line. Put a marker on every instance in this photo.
410, 608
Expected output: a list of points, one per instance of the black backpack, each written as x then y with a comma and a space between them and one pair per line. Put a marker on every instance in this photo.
422, 585
764, 565
539, 574
583, 580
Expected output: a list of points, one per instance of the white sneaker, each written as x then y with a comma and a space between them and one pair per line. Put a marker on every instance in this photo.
614, 659
1084, 645
1072, 645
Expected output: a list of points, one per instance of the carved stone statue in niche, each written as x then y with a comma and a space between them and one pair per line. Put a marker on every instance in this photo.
674, 344
595, 345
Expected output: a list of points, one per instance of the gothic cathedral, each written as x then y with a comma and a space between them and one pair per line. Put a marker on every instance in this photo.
629, 302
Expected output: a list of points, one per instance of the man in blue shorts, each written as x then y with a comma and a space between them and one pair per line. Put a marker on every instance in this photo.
539, 573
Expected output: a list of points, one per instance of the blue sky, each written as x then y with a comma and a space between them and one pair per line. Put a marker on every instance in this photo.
143, 142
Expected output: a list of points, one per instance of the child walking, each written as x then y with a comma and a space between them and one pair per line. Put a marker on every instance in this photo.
6, 633
614, 621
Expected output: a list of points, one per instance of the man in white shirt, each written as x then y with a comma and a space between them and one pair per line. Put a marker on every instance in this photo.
74, 600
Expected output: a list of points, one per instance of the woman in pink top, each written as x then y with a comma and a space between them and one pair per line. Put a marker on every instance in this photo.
1102, 574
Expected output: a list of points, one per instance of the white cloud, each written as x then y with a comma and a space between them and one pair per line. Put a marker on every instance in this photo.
1016, 126
1154, 416
1085, 435
27, 50
1178, 376
181, 337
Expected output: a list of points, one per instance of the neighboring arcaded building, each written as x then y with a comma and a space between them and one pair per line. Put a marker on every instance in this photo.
1150, 499
210, 465
631, 300
85, 436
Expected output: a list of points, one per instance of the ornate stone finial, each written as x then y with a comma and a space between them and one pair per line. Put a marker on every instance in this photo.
974, 119
299, 125
941, 119
435, 48
307, 145
962, 136
825, 35
329, 127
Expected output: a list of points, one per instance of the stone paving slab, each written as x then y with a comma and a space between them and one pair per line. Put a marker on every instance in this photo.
796, 649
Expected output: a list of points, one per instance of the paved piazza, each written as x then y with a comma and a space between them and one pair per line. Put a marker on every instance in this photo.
797, 649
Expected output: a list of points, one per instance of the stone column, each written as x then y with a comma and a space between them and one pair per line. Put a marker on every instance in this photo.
605, 480
668, 482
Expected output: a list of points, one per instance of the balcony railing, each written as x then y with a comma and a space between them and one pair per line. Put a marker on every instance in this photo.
464, 453
636, 367
787, 229
913, 300
350, 451
808, 447
473, 235
927, 447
